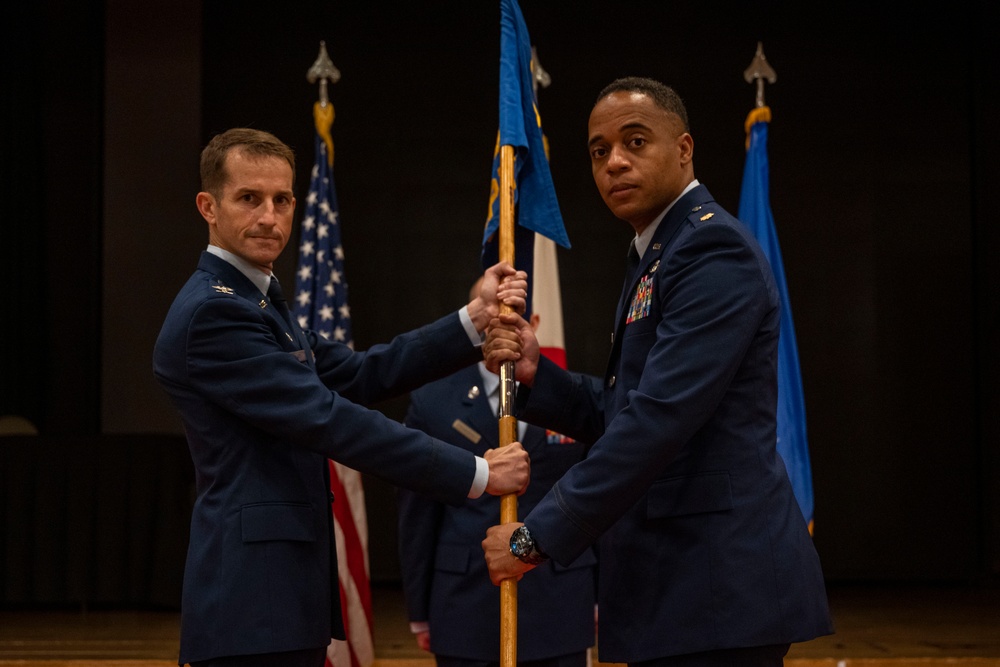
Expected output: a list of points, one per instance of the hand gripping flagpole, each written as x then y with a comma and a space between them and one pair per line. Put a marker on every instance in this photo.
508, 423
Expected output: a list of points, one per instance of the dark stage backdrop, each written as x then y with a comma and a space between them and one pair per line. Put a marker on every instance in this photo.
883, 180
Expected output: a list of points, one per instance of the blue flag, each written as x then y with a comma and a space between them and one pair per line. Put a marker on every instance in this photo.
755, 212
521, 127
320, 285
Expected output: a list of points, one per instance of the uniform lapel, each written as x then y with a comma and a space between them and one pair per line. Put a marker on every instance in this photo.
474, 407
661, 240
244, 288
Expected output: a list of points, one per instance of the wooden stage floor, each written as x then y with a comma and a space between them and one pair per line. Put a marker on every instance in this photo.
886, 626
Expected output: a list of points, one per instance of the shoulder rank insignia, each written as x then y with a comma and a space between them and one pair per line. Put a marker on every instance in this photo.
222, 289
706, 217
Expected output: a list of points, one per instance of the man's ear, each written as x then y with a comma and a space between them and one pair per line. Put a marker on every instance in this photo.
206, 206
686, 142
534, 321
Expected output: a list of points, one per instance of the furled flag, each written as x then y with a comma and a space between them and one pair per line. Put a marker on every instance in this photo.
546, 299
755, 212
521, 127
321, 305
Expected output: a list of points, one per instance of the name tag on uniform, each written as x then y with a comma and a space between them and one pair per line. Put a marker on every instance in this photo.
466, 430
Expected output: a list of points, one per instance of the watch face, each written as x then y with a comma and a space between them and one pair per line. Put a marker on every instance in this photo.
522, 546
520, 543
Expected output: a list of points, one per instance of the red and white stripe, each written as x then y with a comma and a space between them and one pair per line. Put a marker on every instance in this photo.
546, 300
350, 524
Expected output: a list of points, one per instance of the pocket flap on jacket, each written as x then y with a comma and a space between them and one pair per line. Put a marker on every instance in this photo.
695, 494
278, 521
452, 558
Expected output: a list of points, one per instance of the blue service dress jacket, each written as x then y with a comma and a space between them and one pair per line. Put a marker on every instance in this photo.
702, 544
445, 580
264, 405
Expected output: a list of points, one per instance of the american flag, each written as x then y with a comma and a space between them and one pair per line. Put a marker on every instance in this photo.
321, 305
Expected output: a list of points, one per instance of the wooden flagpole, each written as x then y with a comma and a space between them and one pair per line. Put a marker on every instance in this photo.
508, 423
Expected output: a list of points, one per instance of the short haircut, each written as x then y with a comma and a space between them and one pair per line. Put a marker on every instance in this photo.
252, 142
662, 95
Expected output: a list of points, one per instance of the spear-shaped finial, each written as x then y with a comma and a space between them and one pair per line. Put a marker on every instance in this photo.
539, 77
323, 113
760, 70
322, 70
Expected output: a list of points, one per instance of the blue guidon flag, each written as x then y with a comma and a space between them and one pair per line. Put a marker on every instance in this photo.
755, 212
537, 208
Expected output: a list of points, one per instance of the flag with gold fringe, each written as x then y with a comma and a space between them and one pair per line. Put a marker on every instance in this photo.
537, 208
755, 212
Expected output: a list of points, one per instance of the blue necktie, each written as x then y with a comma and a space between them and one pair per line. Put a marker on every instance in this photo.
277, 299
631, 264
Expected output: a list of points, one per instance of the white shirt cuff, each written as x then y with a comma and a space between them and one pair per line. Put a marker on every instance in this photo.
481, 479
475, 337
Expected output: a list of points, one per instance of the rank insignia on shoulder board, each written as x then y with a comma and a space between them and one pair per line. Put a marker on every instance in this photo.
222, 289
706, 217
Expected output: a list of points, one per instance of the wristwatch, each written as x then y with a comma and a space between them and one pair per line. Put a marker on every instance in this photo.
524, 548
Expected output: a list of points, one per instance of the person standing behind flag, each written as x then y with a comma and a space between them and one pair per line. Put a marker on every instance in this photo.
265, 404
453, 608
704, 556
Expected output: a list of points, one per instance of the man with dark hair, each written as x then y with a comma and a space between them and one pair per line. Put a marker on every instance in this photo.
704, 557
265, 404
